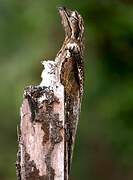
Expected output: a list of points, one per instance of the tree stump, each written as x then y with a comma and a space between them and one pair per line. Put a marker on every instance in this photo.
50, 113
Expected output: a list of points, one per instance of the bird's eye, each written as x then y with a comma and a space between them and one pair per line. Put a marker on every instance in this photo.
74, 15
74, 19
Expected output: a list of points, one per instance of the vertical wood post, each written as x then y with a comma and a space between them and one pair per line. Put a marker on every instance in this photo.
49, 118
41, 142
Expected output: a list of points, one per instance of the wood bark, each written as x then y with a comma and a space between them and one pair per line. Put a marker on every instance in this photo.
49, 118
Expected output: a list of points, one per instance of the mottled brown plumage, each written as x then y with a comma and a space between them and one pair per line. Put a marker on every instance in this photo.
70, 57
70, 69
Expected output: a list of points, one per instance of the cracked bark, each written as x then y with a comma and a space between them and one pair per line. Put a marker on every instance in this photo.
41, 141
49, 118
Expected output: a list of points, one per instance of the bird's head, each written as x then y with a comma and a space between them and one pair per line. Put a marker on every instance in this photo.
72, 22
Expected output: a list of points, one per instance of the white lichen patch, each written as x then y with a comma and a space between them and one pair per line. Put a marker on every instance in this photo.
42, 99
48, 74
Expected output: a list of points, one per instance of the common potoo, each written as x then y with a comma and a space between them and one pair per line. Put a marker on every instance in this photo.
71, 70
70, 57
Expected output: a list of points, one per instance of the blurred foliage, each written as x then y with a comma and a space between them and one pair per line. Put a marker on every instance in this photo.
30, 31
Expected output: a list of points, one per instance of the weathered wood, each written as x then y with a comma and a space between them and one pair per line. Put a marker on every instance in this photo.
50, 113
41, 142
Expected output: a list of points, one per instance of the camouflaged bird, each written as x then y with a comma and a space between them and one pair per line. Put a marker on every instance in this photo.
70, 57
70, 69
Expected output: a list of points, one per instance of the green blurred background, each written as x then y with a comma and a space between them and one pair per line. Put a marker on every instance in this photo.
31, 31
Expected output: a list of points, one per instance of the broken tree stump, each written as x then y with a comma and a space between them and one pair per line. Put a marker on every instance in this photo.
50, 111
